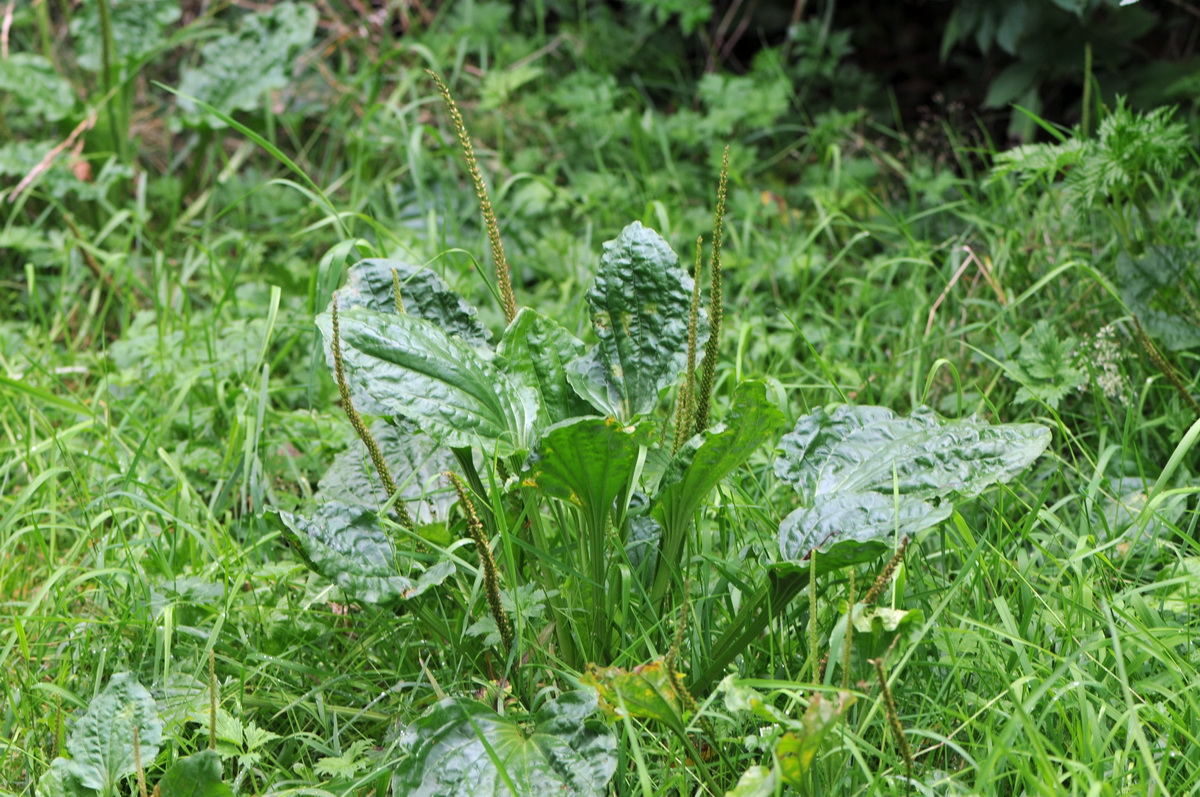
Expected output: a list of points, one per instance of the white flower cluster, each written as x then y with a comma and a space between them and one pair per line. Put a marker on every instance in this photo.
1105, 354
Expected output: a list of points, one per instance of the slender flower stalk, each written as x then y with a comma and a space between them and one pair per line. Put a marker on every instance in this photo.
491, 576
687, 391
716, 301
360, 428
396, 294
503, 278
893, 717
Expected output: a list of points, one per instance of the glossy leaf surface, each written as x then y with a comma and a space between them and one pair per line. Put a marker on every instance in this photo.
347, 545
407, 366
640, 303
415, 460
423, 292
464, 747
536, 352
859, 449
588, 461
857, 518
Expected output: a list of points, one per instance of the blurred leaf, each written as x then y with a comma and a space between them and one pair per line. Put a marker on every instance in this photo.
240, 67
38, 90
137, 30
645, 691
797, 750
464, 747
197, 775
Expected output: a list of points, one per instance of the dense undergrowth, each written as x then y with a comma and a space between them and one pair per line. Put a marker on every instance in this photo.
173, 440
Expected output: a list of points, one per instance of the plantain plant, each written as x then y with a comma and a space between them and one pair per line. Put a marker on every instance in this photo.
579, 488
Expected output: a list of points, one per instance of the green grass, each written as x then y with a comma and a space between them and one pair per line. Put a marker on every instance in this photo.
161, 383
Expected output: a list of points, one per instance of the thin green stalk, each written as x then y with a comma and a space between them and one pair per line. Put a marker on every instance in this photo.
687, 391
106, 77
360, 428
503, 278
716, 301
491, 576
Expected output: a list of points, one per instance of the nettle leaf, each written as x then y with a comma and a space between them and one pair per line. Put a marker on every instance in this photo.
537, 351
854, 519
708, 458
859, 449
197, 775
101, 745
239, 67
347, 545
464, 747
640, 304
588, 461
407, 366
416, 461
423, 292
137, 29
645, 691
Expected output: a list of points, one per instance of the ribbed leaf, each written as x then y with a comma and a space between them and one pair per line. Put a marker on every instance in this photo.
859, 517
587, 461
464, 747
101, 744
536, 351
871, 449
415, 460
424, 294
347, 545
640, 303
407, 366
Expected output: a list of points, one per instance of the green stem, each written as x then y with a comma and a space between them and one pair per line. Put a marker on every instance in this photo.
781, 589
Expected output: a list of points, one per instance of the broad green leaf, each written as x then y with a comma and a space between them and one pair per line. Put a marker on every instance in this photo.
740, 698
347, 545
137, 29
423, 293
536, 352
645, 691
588, 461
871, 449
640, 303
101, 745
415, 460
797, 750
60, 780
239, 68
702, 464
463, 747
756, 782
878, 631
197, 775
707, 459
407, 366
858, 518
38, 90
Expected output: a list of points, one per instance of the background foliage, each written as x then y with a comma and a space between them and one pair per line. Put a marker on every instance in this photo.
184, 186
